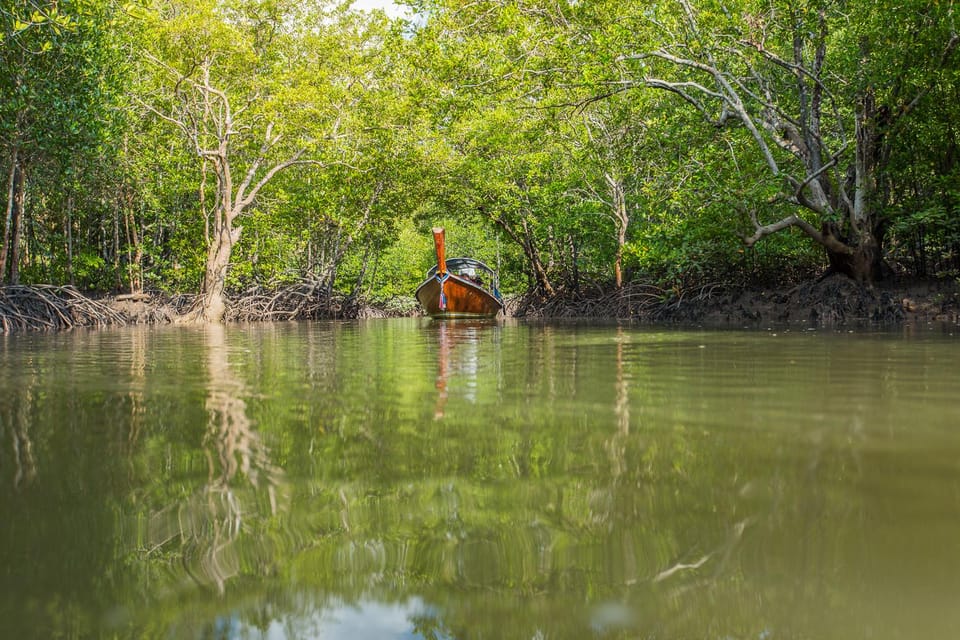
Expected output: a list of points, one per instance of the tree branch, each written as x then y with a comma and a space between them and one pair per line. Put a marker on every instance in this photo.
727, 95
293, 160
269, 140
821, 206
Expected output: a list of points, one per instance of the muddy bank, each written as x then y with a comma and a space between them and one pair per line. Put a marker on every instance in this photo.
831, 302
836, 301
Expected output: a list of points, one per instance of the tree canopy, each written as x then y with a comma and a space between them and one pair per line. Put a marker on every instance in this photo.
217, 145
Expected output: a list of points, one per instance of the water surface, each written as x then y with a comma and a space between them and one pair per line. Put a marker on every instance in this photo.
418, 479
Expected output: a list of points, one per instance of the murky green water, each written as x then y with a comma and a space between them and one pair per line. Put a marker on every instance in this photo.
414, 479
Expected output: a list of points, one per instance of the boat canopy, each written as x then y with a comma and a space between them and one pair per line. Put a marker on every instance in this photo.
464, 267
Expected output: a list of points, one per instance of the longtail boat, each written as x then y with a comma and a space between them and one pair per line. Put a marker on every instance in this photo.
459, 287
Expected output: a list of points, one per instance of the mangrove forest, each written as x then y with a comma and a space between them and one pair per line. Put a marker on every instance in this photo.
281, 154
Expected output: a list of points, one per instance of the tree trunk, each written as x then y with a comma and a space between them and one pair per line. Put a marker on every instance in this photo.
536, 263
213, 305
16, 217
574, 262
117, 274
69, 229
8, 216
528, 243
860, 259
618, 199
134, 244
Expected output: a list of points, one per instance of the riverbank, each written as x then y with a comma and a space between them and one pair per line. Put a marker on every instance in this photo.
830, 302
834, 301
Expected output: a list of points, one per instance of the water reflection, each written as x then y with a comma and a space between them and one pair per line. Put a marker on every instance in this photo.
616, 445
364, 620
458, 353
444, 480
15, 428
209, 523
24, 463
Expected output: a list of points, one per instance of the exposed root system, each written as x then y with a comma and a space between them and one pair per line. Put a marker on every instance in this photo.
632, 301
304, 300
833, 301
46, 307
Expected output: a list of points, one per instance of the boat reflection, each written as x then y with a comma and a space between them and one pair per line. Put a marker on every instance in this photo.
458, 357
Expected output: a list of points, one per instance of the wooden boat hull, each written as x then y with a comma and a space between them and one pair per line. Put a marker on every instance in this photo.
464, 299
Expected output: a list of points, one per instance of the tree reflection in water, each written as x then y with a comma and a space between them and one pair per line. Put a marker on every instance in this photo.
25, 465
583, 482
240, 474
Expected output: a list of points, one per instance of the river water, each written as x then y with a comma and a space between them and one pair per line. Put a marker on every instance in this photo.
418, 479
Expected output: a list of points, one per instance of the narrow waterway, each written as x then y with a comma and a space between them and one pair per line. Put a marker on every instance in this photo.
419, 479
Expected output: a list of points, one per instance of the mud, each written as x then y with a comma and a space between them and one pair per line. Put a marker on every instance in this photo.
830, 302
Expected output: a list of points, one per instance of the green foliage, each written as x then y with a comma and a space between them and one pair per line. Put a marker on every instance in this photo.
63, 81
503, 122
